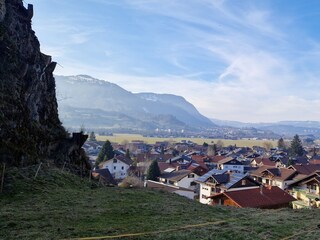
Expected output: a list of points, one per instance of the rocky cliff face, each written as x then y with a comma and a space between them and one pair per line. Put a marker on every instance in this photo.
29, 124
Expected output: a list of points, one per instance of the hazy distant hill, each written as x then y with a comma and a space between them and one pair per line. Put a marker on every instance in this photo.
96, 103
285, 128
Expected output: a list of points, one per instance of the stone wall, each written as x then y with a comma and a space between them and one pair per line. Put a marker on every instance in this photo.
30, 128
2, 10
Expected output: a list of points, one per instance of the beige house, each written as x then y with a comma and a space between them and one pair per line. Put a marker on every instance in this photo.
306, 191
273, 176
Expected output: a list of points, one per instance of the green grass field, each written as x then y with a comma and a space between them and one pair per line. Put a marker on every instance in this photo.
58, 205
120, 138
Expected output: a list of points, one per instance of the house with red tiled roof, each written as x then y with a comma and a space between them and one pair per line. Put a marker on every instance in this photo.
198, 169
213, 160
201, 161
216, 159
274, 176
314, 161
217, 181
163, 166
305, 169
271, 197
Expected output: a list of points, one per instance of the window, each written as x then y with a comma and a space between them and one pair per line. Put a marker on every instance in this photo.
313, 187
204, 188
122, 168
193, 184
114, 160
243, 182
114, 168
203, 196
191, 175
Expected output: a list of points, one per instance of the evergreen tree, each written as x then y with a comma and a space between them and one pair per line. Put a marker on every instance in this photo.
127, 153
290, 162
92, 137
162, 150
106, 153
153, 171
296, 148
212, 150
205, 144
314, 152
281, 144
215, 149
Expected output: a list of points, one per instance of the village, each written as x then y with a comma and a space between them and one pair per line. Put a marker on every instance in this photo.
259, 177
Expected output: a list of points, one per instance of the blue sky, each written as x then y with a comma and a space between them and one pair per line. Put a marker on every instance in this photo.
252, 61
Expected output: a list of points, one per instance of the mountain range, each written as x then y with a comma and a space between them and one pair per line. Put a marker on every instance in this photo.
94, 103
98, 104
283, 128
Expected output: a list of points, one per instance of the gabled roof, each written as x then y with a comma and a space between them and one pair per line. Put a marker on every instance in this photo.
197, 169
281, 174
225, 178
258, 198
315, 175
216, 159
198, 158
201, 163
221, 178
235, 178
179, 158
205, 177
315, 178
264, 162
119, 158
123, 159
301, 160
104, 175
163, 166
166, 187
227, 160
284, 160
305, 169
176, 175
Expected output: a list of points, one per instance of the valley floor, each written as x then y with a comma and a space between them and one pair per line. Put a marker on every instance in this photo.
59, 205
120, 138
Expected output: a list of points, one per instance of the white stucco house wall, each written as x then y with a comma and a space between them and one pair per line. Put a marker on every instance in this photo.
180, 178
118, 166
231, 164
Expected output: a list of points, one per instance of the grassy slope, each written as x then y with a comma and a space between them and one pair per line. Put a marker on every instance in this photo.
59, 205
